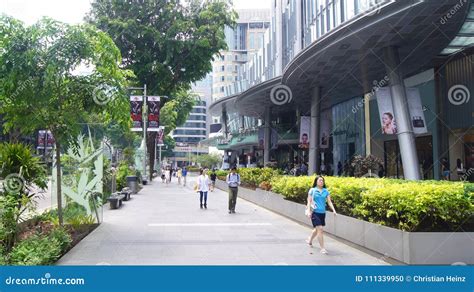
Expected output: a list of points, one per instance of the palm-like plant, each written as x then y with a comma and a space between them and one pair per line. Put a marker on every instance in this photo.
23, 179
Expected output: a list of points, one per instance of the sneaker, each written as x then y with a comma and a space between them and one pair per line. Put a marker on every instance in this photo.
324, 251
230, 211
201, 206
205, 206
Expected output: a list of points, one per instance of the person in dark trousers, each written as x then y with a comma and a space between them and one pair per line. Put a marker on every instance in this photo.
213, 180
233, 181
171, 173
203, 187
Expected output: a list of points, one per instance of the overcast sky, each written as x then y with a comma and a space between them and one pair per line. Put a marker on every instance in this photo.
73, 11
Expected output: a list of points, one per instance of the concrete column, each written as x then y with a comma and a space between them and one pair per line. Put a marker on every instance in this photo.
225, 123
267, 138
406, 137
314, 158
368, 136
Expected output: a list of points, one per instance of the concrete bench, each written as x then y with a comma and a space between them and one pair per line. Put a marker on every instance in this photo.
127, 193
116, 200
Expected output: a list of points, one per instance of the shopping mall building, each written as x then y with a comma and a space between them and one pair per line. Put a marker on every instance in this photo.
338, 78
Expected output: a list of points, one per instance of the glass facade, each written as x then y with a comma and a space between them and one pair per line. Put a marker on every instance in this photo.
348, 131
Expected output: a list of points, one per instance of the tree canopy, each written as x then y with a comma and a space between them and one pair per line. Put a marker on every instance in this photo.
167, 43
41, 86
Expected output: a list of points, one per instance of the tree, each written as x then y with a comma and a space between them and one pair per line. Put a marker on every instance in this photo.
167, 43
208, 160
40, 86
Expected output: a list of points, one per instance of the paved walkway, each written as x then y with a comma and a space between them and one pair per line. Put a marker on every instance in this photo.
163, 225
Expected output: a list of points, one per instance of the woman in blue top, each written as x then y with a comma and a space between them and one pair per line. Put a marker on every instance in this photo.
317, 197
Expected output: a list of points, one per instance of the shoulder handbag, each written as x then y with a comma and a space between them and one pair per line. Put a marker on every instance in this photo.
308, 210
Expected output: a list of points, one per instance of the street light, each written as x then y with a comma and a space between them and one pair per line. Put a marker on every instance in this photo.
144, 120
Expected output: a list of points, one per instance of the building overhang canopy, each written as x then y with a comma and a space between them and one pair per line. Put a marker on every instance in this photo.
349, 61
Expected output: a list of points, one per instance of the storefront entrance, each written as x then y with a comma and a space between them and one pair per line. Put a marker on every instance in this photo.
393, 161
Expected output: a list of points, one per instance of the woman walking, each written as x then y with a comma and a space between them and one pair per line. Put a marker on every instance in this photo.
317, 197
167, 176
203, 187
179, 174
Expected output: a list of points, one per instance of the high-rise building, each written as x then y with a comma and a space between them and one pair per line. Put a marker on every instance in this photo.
189, 135
345, 76
243, 41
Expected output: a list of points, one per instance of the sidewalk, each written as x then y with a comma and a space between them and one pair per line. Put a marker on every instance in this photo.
163, 225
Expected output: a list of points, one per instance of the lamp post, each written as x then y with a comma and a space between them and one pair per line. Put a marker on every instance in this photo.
144, 120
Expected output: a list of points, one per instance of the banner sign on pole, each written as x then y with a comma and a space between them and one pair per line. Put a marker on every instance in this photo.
274, 140
387, 116
153, 103
325, 130
160, 137
45, 139
261, 138
417, 114
305, 126
136, 113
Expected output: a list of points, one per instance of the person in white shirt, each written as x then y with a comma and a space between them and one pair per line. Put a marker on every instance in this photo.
204, 184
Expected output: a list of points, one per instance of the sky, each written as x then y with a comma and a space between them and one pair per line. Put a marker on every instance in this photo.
73, 11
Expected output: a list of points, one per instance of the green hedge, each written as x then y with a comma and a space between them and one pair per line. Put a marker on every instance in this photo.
406, 205
252, 177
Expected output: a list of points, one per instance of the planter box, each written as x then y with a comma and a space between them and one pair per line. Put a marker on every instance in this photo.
416, 248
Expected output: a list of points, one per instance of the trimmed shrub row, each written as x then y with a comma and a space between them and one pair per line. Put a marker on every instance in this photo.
406, 205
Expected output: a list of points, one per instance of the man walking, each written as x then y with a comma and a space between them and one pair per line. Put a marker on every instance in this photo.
184, 173
233, 181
